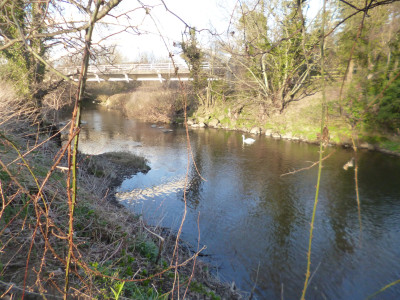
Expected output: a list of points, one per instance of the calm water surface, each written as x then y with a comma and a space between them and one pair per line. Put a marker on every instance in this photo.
252, 218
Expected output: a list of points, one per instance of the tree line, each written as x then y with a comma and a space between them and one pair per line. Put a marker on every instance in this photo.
272, 55
270, 52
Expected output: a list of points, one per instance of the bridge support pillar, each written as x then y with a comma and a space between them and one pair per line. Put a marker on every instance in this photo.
160, 77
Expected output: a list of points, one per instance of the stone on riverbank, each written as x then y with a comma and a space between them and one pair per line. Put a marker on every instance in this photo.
276, 135
287, 136
255, 130
213, 123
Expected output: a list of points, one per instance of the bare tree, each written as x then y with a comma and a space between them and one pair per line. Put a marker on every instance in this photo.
273, 55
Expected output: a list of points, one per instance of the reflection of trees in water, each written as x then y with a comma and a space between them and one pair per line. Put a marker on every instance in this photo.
341, 209
282, 208
283, 204
209, 148
85, 133
195, 184
378, 181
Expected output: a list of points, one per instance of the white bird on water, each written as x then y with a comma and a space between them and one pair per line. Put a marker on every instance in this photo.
248, 140
349, 164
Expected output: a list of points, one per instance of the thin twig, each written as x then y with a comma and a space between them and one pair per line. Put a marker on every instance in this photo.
309, 167
321, 147
160, 247
384, 288
13, 286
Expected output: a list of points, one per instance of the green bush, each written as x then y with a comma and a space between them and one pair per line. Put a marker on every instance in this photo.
388, 114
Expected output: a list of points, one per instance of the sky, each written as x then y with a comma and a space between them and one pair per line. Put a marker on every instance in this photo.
214, 15
204, 14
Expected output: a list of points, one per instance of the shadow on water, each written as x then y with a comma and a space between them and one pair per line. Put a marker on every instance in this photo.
250, 216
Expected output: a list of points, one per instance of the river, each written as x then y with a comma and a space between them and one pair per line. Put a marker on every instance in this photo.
254, 222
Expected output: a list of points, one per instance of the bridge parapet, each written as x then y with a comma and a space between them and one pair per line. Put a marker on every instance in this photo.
134, 69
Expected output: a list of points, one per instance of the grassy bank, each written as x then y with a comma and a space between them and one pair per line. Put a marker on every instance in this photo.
301, 121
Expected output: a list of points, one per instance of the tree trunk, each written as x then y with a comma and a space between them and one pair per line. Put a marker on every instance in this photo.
350, 71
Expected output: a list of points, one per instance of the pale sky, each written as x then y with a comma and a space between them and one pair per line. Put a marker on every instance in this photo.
202, 14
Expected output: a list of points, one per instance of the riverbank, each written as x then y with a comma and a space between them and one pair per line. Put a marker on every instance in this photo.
111, 244
150, 102
299, 122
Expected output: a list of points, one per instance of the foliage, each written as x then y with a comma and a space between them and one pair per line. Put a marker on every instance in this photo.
202, 290
387, 113
369, 51
194, 56
17, 19
275, 61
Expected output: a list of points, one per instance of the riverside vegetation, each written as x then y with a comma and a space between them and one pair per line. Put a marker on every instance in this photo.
60, 236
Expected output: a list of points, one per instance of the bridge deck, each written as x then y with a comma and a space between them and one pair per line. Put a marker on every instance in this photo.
130, 72
133, 69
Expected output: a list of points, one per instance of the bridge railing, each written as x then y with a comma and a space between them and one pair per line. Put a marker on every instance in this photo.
133, 68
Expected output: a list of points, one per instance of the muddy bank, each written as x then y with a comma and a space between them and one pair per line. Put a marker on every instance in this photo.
115, 167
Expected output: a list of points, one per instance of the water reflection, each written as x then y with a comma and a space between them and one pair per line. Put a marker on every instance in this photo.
250, 216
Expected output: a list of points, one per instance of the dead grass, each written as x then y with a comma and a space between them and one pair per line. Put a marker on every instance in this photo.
14, 108
151, 102
56, 100
111, 88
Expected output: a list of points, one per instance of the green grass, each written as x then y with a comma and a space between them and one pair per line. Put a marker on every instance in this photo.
4, 176
147, 248
128, 160
201, 289
123, 269
391, 146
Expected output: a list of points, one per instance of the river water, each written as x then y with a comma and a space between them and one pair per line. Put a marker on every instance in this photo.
254, 222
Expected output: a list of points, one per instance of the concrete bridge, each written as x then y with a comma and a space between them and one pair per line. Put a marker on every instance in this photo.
129, 72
